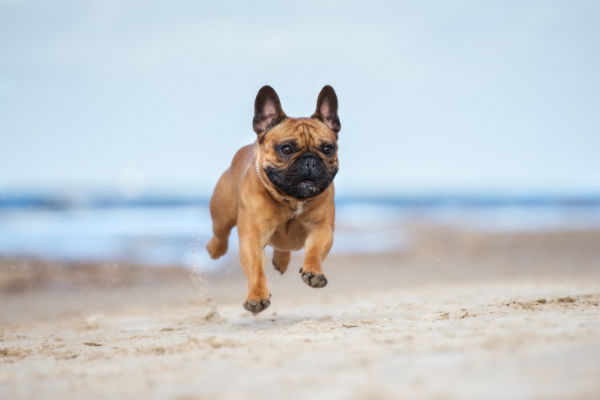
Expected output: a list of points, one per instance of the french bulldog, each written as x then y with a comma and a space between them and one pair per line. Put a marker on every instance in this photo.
279, 192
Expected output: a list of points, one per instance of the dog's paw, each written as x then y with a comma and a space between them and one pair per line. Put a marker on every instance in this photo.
314, 280
280, 268
281, 260
216, 247
256, 306
280, 265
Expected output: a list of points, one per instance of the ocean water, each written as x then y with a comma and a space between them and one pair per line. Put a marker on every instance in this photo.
160, 232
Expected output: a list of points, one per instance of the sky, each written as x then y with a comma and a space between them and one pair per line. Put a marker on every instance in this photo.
434, 96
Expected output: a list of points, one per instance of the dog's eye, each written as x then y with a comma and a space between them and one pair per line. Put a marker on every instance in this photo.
327, 149
286, 149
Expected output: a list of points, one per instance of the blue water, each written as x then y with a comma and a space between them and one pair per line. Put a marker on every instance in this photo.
158, 232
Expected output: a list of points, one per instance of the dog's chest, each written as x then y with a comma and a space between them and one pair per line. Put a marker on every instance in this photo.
291, 234
298, 211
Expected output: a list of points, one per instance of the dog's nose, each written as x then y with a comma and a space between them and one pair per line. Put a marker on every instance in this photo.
310, 163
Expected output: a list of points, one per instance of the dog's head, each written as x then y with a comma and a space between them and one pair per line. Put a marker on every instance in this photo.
297, 155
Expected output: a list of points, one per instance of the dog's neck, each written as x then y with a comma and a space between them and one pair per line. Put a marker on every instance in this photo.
296, 205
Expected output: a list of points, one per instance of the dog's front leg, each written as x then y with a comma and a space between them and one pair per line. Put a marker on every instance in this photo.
317, 246
252, 257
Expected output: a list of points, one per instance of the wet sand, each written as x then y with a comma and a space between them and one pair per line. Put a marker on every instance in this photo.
459, 315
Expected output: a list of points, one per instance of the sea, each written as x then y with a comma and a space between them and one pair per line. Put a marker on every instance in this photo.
174, 230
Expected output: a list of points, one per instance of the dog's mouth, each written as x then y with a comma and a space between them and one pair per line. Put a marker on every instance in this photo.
298, 184
309, 185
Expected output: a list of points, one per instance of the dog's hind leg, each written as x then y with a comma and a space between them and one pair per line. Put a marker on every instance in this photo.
281, 260
223, 210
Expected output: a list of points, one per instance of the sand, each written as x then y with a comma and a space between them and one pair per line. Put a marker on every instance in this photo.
459, 316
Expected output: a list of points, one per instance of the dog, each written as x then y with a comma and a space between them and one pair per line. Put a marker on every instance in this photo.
279, 192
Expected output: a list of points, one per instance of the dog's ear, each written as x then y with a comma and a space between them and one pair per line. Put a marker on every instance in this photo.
267, 110
327, 109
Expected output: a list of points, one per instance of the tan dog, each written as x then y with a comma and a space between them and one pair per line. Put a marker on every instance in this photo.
279, 192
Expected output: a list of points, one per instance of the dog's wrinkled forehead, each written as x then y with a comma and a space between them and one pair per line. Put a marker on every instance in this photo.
306, 132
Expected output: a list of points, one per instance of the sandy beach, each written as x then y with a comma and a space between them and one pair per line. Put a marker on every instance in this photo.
458, 315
